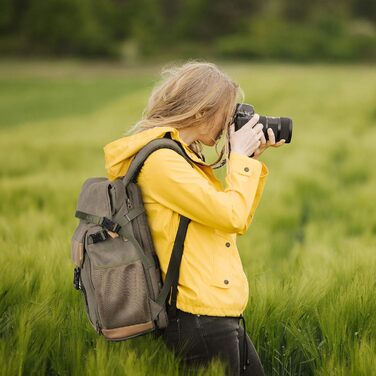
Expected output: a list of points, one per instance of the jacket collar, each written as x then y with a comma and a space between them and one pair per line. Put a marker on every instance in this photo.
192, 155
118, 154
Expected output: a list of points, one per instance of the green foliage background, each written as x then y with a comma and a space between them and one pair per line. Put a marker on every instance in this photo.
337, 30
309, 254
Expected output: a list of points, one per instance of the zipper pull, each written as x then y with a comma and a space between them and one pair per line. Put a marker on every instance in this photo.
76, 278
98, 328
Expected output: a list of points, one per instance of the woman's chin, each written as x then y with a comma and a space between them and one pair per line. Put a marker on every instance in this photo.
208, 143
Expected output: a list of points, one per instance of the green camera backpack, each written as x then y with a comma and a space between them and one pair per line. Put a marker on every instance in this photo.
117, 269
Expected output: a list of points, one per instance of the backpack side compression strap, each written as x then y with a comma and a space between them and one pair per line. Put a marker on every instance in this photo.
101, 221
108, 223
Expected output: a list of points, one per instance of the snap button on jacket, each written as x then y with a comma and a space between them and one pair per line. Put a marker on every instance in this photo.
212, 280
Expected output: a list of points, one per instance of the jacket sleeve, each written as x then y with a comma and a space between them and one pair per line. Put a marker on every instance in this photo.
167, 178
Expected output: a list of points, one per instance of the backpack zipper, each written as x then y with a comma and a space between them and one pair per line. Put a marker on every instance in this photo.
97, 325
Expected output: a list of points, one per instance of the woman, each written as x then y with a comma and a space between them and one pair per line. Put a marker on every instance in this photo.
195, 104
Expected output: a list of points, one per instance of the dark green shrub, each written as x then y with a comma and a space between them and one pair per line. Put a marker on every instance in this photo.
277, 39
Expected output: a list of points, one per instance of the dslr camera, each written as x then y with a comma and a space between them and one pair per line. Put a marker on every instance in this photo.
281, 126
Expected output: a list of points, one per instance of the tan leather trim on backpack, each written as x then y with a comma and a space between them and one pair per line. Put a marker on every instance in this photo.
112, 234
77, 252
127, 331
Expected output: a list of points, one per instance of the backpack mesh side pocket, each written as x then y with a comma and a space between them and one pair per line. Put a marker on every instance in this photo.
119, 284
121, 294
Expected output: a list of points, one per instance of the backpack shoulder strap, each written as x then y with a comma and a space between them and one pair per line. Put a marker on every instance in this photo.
142, 155
172, 274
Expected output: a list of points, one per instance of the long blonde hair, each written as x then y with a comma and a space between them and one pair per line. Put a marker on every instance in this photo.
192, 94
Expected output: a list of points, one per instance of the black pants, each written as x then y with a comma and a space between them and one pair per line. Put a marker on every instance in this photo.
199, 338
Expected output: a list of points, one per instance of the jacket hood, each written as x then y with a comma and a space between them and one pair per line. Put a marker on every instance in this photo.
118, 154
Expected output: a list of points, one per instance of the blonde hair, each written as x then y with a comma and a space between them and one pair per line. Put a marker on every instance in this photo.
190, 95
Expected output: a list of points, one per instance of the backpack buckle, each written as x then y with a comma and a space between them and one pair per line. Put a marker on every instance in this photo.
99, 236
110, 225
76, 278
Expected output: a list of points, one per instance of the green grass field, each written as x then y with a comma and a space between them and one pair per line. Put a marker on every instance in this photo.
310, 254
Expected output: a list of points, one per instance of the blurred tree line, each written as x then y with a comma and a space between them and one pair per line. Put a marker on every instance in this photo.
269, 29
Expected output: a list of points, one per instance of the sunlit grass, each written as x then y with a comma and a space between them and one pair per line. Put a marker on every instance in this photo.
309, 253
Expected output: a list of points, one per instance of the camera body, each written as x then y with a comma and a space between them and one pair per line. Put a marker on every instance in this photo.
281, 126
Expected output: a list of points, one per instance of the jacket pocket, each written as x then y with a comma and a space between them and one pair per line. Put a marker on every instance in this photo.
222, 269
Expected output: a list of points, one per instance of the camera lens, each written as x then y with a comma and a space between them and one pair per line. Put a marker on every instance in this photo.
281, 127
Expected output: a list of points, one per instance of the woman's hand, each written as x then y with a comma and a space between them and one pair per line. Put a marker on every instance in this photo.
246, 140
265, 144
250, 139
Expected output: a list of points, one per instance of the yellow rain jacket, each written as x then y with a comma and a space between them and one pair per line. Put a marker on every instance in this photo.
212, 280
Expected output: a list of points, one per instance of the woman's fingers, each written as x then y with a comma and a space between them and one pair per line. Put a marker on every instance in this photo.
272, 139
253, 120
263, 139
271, 136
280, 143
